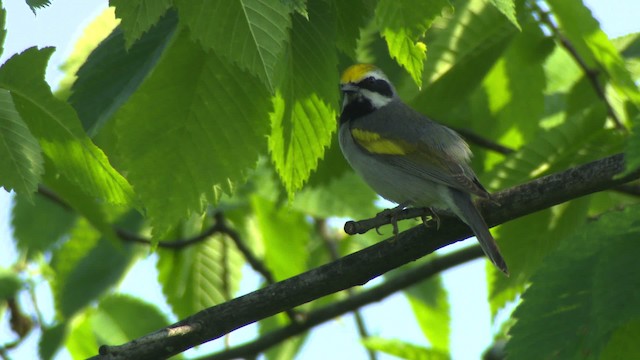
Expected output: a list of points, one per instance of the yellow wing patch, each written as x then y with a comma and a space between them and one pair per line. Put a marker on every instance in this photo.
355, 73
376, 144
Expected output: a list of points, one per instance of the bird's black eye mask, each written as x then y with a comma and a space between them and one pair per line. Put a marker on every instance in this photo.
376, 85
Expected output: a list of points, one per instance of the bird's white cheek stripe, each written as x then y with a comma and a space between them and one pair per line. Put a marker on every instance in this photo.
377, 100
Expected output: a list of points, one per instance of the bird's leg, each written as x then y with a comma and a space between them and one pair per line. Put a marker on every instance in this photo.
434, 216
392, 215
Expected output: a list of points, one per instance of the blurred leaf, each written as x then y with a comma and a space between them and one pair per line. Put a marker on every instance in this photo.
508, 9
623, 343
351, 16
593, 45
10, 283
251, 33
39, 225
91, 38
88, 264
632, 150
20, 154
403, 350
99, 269
593, 281
139, 16
56, 126
113, 321
346, 196
461, 55
430, 305
195, 126
287, 349
515, 85
304, 116
285, 234
3, 31
111, 73
87, 207
199, 276
51, 340
37, 4
81, 341
403, 24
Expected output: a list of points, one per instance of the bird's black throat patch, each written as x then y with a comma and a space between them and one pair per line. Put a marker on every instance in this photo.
356, 108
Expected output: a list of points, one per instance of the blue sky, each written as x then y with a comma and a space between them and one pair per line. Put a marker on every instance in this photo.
392, 318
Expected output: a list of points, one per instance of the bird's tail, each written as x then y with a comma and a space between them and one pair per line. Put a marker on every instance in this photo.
467, 212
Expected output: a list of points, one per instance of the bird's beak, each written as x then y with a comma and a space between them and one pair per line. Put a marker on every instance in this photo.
348, 88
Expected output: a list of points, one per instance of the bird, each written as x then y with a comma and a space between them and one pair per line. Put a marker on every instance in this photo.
405, 156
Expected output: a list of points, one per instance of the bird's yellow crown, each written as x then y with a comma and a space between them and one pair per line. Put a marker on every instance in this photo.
355, 73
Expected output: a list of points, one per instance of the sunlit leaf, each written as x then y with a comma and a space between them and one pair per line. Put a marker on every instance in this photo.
195, 126
56, 126
139, 16
20, 154
304, 116
403, 24
250, 33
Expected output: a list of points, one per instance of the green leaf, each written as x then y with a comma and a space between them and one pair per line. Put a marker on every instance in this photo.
525, 250
39, 224
81, 341
287, 349
37, 4
252, 33
508, 9
20, 154
623, 343
112, 72
593, 45
88, 264
90, 39
100, 268
285, 234
403, 350
460, 56
10, 283
632, 150
304, 117
199, 276
515, 86
3, 31
51, 340
139, 16
196, 125
112, 322
593, 281
351, 16
403, 24
56, 126
344, 196
431, 307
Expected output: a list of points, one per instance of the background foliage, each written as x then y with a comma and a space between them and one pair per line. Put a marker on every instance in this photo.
193, 114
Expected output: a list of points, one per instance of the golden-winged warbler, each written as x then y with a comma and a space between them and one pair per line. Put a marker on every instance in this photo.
406, 157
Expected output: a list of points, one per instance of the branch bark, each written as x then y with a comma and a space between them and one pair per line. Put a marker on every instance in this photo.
364, 265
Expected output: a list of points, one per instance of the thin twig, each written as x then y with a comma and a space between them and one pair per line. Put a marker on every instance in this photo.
401, 281
592, 74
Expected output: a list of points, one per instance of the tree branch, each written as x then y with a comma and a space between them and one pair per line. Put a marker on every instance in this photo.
364, 265
401, 281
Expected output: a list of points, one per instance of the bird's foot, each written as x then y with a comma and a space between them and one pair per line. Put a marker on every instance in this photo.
434, 216
392, 216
